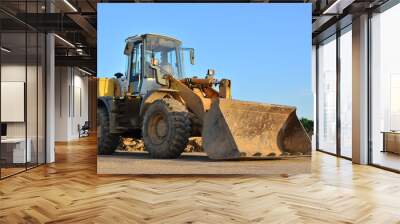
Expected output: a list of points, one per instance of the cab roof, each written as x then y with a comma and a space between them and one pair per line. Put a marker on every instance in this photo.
146, 35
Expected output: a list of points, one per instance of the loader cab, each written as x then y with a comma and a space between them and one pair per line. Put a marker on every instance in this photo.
150, 58
148, 53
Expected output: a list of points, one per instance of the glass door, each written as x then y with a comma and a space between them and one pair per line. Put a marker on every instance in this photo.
346, 92
327, 95
385, 89
22, 78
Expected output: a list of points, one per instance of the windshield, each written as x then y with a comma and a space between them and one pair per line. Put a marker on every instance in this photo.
167, 53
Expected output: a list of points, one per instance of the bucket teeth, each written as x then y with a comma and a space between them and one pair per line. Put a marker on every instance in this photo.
235, 129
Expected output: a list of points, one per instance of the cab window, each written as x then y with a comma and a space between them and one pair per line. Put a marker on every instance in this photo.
136, 67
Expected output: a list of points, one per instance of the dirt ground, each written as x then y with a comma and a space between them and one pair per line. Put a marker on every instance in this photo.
197, 163
131, 158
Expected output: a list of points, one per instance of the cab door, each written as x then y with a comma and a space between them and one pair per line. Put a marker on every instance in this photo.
124, 114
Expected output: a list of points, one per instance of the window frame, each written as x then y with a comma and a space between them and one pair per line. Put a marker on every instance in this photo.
336, 36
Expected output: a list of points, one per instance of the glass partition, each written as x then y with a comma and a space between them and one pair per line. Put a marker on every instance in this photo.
14, 153
31, 97
327, 95
22, 88
385, 89
346, 92
41, 97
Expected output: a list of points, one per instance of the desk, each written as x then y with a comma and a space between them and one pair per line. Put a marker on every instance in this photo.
13, 150
391, 141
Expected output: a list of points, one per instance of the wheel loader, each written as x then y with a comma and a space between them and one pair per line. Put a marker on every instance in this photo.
156, 101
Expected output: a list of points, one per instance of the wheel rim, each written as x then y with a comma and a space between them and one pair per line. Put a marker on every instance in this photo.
158, 128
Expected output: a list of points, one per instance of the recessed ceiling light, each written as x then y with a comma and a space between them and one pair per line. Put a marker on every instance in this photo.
84, 71
70, 5
64, 40
5, 50
337, 7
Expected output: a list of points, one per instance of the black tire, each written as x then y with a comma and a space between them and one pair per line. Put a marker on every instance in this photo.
196, 125
106, 142
166, 128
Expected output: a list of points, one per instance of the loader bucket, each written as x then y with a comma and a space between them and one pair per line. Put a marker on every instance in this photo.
234, 129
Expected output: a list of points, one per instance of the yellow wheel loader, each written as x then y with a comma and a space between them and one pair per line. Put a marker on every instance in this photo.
156, 102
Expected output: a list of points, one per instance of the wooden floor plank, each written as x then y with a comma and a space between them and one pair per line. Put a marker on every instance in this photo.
70, 191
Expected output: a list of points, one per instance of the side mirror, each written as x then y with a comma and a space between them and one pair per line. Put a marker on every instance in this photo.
211, 72
118, 75
192, 56
128, 48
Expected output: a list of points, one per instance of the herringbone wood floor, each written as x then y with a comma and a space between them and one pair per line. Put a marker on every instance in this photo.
70, 191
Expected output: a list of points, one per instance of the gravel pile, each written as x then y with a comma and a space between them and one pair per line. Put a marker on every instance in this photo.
137, 145
194, 145
131, 145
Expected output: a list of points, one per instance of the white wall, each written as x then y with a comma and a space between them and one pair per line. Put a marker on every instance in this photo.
71, 102
61, 103
79, 110
33, 127
14, 72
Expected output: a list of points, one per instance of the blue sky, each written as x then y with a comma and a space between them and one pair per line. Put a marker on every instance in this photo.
264, 49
